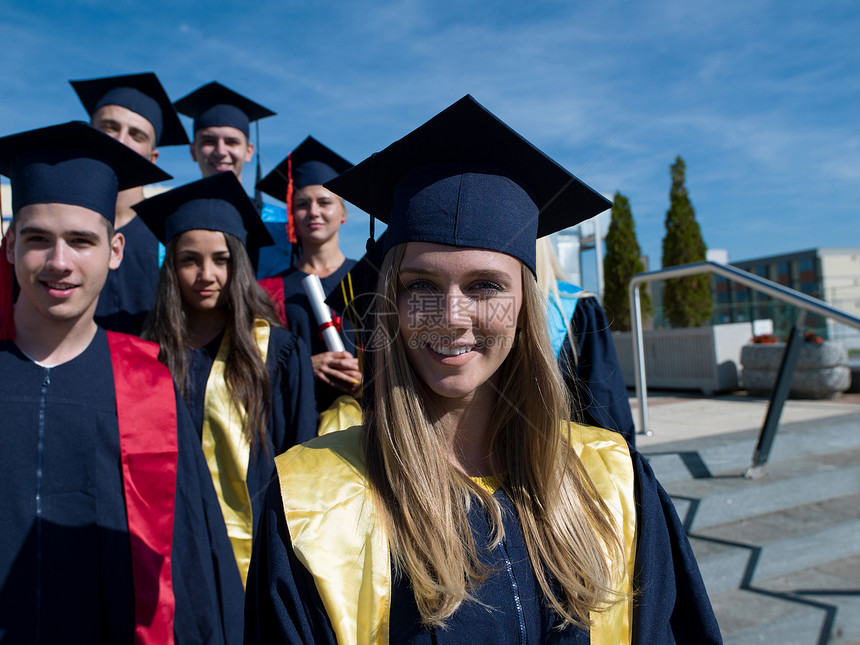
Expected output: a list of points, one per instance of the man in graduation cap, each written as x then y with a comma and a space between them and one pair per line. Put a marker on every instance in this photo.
222, 122
111, 529
133, 109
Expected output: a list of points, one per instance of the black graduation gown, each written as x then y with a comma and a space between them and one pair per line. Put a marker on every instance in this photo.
283, 606
65, 554
130, 289
302, 322
294, 417
595, 378
671, 606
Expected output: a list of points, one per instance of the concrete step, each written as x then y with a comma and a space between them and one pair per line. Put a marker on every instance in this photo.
811, 606
807, 479
780, 554
749, 618
836, 584
739, 554
731, 453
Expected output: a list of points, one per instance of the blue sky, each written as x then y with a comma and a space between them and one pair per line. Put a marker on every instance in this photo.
760, 98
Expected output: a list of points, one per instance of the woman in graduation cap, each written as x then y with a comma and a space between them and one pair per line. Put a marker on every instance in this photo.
468, 508
582, 344
248, 383
314, 217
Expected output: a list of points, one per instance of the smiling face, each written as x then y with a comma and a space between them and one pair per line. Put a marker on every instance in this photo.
62, 254
458, 313
127, 127
202, 269
318, 213
220, 149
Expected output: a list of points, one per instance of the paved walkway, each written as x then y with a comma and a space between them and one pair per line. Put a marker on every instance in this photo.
673, 416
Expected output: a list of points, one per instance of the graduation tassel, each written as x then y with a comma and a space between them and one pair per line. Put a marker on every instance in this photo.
7, 320
7, 280
258, 194
370, 240
291, 223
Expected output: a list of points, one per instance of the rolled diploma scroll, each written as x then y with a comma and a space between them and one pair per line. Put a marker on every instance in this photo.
322, 312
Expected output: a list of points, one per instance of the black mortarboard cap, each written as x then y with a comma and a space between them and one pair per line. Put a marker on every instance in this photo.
214, 105
309, 164
466, 179
215, 203
140, 93
72, 163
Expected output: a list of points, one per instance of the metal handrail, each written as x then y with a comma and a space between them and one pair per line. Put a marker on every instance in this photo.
757, 283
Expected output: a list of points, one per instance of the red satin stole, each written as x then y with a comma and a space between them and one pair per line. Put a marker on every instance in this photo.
146, 413
274, 286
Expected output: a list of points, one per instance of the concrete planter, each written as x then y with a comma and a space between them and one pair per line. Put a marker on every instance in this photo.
697, 358
822, 370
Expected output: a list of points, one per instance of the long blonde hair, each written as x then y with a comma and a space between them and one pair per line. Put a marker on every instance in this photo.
549, 272
548, 267
423, 500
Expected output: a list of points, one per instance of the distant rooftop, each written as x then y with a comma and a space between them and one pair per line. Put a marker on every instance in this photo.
819, 251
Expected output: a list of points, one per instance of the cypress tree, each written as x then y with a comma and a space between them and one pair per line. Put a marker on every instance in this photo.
687, 302
622, 261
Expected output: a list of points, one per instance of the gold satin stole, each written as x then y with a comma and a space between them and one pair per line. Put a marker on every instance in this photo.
343, 413
335, 534
227, 450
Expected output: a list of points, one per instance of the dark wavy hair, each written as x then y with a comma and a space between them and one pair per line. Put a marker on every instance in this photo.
246, 374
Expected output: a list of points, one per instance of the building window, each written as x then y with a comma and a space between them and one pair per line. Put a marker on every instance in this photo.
810, 288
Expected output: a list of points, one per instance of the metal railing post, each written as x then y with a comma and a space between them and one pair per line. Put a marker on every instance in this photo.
777, 291
777, 399
638, 348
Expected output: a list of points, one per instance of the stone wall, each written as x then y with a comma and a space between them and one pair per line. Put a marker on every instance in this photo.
822, 370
